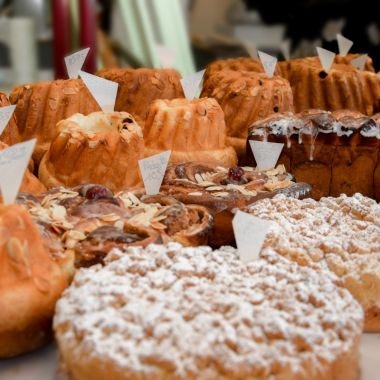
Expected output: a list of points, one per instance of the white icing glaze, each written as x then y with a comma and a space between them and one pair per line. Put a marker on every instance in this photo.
200, 314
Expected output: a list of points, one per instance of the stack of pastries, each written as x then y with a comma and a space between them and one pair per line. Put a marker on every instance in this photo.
141, 294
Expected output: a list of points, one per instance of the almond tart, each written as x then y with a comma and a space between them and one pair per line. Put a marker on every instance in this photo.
98, 148
175, 313
221, 190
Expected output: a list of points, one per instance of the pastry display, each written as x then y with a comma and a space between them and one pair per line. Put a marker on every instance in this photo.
98, 148
10, 134
168, 312
40, 106
246, 97
344, 86
30, 282
340, 234
30, 183
140, 87
222, 190
335, 152
194, 130
89, 220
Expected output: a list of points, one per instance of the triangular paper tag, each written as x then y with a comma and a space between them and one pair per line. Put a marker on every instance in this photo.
269, 63
344, 44
103, 90
152, 170
5, 115
75, 61
266, 153
13, 163
166, 56
285, 48
326, 57
192, 84
359, 62
250, 233
251, 48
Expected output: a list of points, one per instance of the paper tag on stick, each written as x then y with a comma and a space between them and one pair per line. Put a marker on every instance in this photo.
13, 163
166, 56
192, 84
5, 115
326, 57
344, 44
152, 170
103, 90
251, 48
359, 62
266, 153
269, 63
74, 62
250, 233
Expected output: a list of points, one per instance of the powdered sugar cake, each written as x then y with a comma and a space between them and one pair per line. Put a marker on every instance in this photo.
168, 312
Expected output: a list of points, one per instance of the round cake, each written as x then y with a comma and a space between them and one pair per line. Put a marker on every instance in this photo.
99, 148
30, 283
174, 313
343, 87
139, 87
40, 106
340, 234
194, 130
10, 134
246, 97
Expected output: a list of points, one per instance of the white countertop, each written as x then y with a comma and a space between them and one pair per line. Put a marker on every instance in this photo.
42, 364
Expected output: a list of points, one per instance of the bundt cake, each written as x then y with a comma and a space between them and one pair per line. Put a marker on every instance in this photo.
246, 97
139, 87
99, 148
10, 135
194, 130
343, 87
40, 106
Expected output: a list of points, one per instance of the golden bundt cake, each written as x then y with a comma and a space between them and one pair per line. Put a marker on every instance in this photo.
10, 134
30, 183
194, 130
30, 283
246, 97
139, 87
343, 87
99, 148
40, 106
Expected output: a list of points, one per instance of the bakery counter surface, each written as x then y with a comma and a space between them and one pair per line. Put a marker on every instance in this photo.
42, 364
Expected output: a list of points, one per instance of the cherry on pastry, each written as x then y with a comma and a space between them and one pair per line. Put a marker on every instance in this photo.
236, 173
97, 192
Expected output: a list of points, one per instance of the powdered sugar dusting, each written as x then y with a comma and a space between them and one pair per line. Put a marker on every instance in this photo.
194, 313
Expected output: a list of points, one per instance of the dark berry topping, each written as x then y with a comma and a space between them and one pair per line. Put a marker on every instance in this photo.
98, 192
236, 173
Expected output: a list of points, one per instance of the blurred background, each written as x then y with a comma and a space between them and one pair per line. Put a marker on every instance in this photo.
35, 35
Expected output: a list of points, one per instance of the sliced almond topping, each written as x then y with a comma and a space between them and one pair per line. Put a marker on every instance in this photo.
133, 198
213, 188
196, 193
119, 224
58, 212
198, 178
221, 194
110, 217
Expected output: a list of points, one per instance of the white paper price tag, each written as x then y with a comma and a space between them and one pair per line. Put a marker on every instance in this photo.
250, 233
166, 56
75, 61
152, 170
266, 153
192, 84
103, 90
344, 44
13, 163
251, 48
285, 48
326, 57
5, 115
268, 62
359, 62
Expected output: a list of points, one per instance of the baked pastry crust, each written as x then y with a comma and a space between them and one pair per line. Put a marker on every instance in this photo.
138, 88
40, 106
168, 312
245, 97
336, 152
194, 130
98, 148
340, 234
211, 186
30, 284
